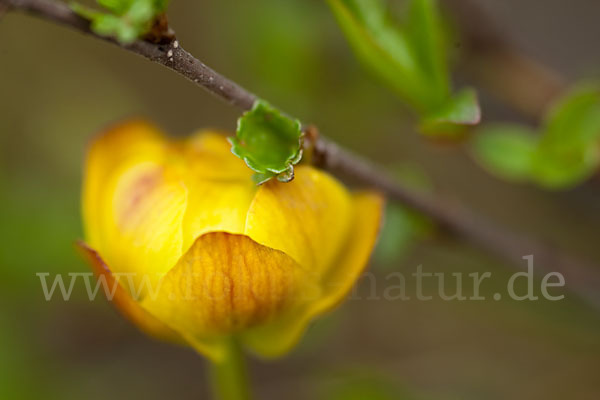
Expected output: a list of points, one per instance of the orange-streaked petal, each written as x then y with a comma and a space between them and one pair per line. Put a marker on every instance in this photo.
225, 283
124, 302
279, 336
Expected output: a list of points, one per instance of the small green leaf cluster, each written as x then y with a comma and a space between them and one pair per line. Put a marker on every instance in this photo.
269, 142
125, 20
564, 153
410, 58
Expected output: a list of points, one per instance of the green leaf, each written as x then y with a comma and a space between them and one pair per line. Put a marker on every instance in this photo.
506, 151
409, 58
454, 116
269, 142
125, 20
424, 28
382, 47
569, 148
565, 153
557, 171
111, 25
84, 11
575, 120
118, 7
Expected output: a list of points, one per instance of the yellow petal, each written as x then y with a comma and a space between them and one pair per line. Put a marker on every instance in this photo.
129, 141
124, 302
134, 200
225, 283
307, 218
279, 336
146, 200
209, 156
220, 188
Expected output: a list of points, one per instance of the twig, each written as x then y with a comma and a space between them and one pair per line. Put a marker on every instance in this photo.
497, 62
583, 279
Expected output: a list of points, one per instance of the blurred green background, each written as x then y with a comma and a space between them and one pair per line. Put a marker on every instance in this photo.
58, 87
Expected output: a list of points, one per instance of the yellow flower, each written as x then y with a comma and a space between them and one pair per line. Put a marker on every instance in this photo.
199, 253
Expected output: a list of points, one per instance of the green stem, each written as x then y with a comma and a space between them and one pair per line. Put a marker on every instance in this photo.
230, 376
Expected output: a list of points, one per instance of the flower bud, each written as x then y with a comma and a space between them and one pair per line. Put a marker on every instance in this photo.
199, 253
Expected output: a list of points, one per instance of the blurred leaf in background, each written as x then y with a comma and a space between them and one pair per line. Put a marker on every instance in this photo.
14, 370
506, 150
402, 226
401, 229
565, 153
44, 234
282, 46
41, 158
364, 383
569, 148
410, 59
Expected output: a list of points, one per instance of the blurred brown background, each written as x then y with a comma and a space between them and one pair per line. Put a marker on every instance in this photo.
59, 87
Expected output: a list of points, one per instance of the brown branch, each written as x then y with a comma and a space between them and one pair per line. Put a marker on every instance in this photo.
492, 58
583, 279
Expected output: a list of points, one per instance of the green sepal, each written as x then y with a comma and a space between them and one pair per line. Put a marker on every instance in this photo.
260, 178
269, 142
